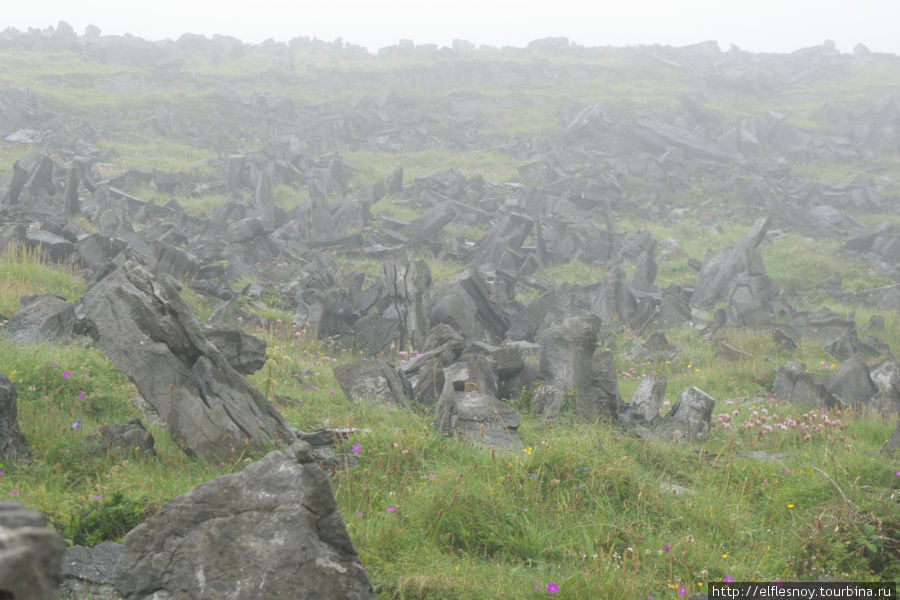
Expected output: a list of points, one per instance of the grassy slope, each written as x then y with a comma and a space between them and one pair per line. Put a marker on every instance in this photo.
588, 509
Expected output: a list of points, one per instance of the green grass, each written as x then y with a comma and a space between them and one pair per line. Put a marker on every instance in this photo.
23, 272
590, 508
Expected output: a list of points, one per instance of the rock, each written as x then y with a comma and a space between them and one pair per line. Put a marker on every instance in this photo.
479, 419
689, 419
783, 338
893, 442
210, 410
245, 352
42, 318
794, 384
30, 554
852, 383
88, 572
125, 439
750, 296
270, 531
845, 345
614, 303
821, 325
642, 414
464, 303
720, 270
406, 288
730, 353
567, 351
13, 445
371, 380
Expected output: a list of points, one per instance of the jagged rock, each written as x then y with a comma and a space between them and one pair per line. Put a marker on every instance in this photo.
42, 318
270, 531
88, 572
406, 287
821, 325
465, 304
852, 383
720, 270
642, 414
210, 409
30, 554
475, 417
794, 384
13, 445
750, 296
125, 439
529, 323
371, 380
689, 418
614, 303
245, 352
874, 345
731, 353
845, 345
783, 338
567, 351
892, 444
425, 371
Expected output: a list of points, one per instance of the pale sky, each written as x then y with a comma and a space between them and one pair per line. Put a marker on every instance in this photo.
754, 25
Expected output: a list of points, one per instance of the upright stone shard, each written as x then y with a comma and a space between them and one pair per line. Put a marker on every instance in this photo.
13, 445
149, 333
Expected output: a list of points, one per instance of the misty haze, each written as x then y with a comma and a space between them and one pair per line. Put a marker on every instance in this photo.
363, 319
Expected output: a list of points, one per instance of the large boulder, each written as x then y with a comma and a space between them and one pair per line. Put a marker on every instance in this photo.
88, 572
689, 418
567, 365
794, 384
406, 286
720, 270
30, 555
642, 414
41, 318
149, 333
371, 380
465, 304
468, 414
13, 445
271, 531
852, 383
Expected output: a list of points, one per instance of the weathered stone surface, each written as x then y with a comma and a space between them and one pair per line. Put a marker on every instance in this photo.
406, 287
750, 295
371, 380
643, 413
845, 345
689, 418
794, 384
30, 554
149, 333
13, 445
245, 352
126, 439
720, 270
567, 351
271, 531
465, 304
479, 419
852, 384
88, 572
42, 318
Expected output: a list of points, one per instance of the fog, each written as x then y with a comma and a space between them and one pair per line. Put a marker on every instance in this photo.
761, 26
